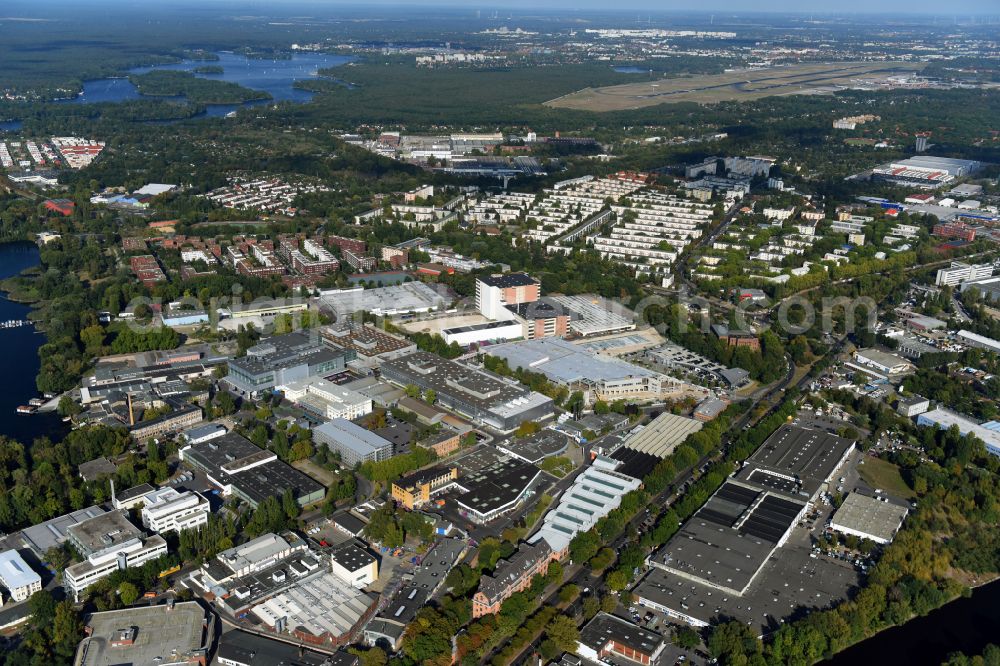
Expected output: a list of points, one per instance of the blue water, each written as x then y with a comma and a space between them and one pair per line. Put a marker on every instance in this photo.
965, 625
272, 76
630, 69
10, 125
105, 90
19, 363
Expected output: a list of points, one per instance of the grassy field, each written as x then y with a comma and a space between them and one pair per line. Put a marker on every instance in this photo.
313, 470
884, 475
811, 78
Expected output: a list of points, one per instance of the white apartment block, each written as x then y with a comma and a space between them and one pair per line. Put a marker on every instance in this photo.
652, 230
847, 226
905, 231
962, 272
169, 510
559, 210
502, 208
17, 577
779, 214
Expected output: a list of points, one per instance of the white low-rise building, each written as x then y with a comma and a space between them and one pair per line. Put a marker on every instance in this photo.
868, 518
884, 362
169, 510
15, 575
593, 495
327, 399
354, 565
979, 341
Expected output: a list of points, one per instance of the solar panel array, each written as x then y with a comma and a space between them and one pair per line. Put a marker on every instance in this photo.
771, 519
728, 504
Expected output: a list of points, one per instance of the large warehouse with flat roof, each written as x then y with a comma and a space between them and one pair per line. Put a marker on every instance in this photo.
868, 518
482, 396
600, 377
796, 461
496, 490
719, 554
240, 467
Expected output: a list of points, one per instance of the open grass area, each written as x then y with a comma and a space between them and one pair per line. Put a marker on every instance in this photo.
558, 466
884, 475
808, 78
309, 468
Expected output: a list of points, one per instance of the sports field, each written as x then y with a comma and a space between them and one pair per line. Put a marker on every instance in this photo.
810, 78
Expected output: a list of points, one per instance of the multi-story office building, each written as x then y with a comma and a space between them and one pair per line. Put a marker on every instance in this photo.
108, 542
418, 487
284, 359
169, 510
495, 292
354, 444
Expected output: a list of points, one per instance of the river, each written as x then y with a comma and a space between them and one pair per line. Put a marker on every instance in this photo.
19, 362
965, 625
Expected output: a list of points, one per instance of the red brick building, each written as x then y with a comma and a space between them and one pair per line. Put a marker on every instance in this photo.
608, 635
954, 230
511, 576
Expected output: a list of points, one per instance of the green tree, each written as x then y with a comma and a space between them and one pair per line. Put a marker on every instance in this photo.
67, 629
568, 592
734, 643
68, 406
289, 504
128, 593
564, 632
372, 657
686, 637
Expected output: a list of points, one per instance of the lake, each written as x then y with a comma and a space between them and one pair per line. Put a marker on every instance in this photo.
10, 125
19, 362
630, 69
965, 625
275, 77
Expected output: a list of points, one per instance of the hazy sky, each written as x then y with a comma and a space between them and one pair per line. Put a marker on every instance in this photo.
946, 8
742, 6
